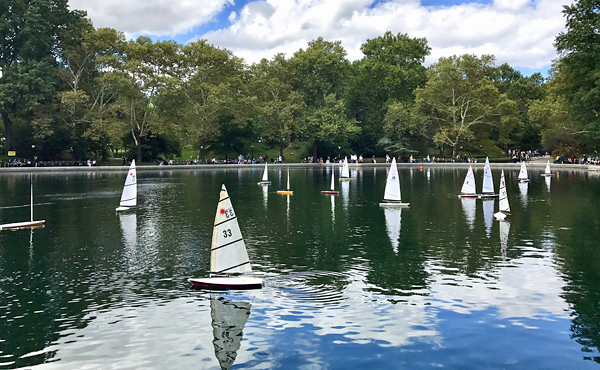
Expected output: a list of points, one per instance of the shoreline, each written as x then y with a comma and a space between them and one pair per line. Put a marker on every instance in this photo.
537, 165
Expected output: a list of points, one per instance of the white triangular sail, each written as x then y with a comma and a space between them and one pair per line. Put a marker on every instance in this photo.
488, 181
393, 223
392, 185
547, 171
488, 216
469, 207
469, 183
229, 318
345, 169
503, 196
129, 196
227, 252
523, 172
265, 174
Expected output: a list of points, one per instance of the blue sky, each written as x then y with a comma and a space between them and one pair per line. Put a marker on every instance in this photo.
518, 32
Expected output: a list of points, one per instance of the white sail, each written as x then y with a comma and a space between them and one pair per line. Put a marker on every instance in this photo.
469, 184
332, 181
488, 181
523, 172
503, 196
228, 320
392, 185
504, 231
469, 207
488, 216
547, 171
129, 196
265, 174
393, 218
345, 169
228, 251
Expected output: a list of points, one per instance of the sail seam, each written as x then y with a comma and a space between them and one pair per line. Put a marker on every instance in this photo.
135, 183
222, 222
224, 245
127, 200
232, 267
220, 200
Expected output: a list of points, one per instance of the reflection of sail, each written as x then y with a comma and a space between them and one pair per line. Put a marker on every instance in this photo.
228, 320
488, 216
288, 208
523, 189
469, 205
547, 179
504, 230
393, 217
265, 191
411, 173
428, 175
332, 209
345, 185
129, 227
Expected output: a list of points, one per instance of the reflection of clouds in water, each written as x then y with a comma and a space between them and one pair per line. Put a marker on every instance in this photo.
469, 206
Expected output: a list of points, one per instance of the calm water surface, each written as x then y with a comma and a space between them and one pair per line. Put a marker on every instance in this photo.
349, 285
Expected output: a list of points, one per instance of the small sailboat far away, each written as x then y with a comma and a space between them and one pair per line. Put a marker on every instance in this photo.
504, 207
391, 195
129, 196
468, 188
229, 316
25, 224
228, 253
345, 171
288, 191
332, 191
523, 177
265, 178
488, 181
547, 172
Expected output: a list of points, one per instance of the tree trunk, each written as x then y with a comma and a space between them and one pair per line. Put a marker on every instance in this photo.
139, 152
281, 148
7, 131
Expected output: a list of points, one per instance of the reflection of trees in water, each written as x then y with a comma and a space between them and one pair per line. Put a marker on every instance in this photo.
228, 320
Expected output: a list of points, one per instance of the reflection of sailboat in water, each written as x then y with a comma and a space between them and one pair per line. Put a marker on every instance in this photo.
469, 207
504, 230
265, 191
393, 218
488, 216
129, 227
229, 317
548, 180
345, 186
523, 189
332, 209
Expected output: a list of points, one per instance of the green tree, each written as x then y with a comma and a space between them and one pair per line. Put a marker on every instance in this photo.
579, 49
462, 104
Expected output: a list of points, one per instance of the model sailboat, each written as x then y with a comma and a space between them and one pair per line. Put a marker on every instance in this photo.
345, 171
488, 181
523, 177
391, 195
503, 200
265, 178
547, 172
332, 191
288, 191
468, 188
228, 253
129, 196
31, 222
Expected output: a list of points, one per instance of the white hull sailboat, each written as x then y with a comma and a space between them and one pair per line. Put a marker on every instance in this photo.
228, 253
468, 188
503, 200
332, 191
288, 191
345, 171
487, 190
523, 177
25, 224
265, 178
547, 171
391, 195
129, 195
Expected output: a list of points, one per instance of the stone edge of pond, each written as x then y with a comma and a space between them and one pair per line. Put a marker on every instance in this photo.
538, 165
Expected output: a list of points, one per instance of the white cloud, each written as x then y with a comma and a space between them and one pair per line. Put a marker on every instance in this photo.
519, 32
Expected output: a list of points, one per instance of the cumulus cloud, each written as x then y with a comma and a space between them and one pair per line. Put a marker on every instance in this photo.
519, 32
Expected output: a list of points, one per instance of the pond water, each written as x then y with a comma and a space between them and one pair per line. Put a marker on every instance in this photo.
348, 285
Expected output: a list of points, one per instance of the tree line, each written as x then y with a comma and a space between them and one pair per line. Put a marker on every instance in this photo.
67, 88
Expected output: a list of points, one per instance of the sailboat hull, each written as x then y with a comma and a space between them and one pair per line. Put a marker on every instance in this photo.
123, 209
22, 225
330, 192
523, 180
500, 216
469, 195
394, 204
227, 283
488, 196
287, 192
345, 179
548, 174
264, 183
